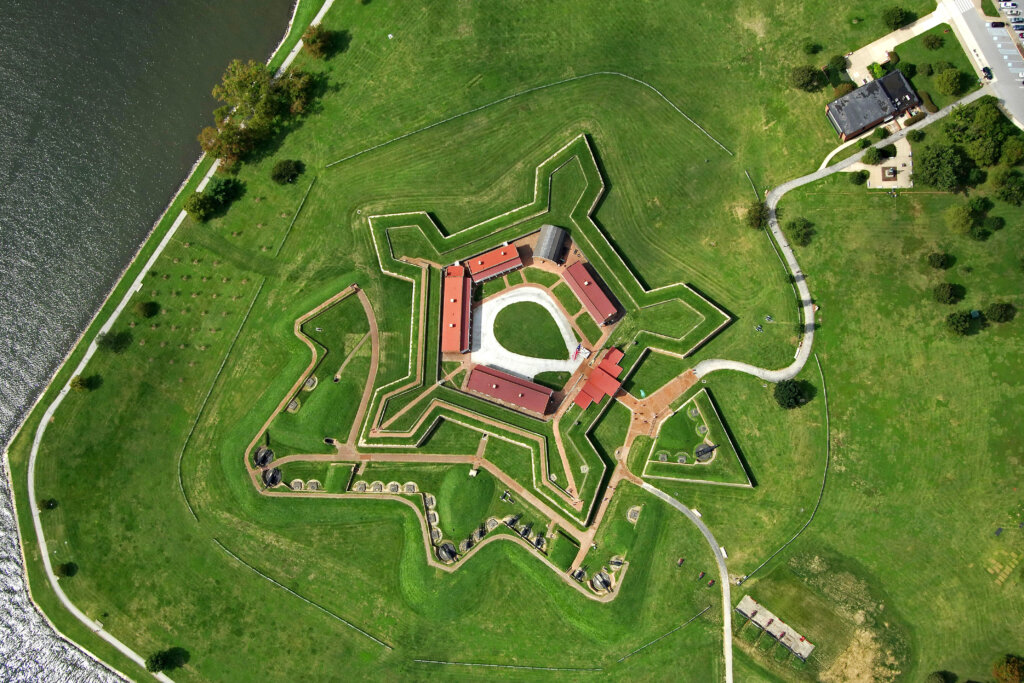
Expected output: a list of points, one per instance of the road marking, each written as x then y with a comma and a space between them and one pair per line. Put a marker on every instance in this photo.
964, 6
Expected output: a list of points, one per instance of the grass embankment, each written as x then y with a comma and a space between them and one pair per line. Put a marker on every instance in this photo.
528, 329
111, 456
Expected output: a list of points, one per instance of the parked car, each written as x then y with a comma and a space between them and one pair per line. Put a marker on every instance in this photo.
1007, 5
988, 73
995, 24
1012, 12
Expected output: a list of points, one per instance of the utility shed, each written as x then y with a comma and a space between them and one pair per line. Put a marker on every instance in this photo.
550, 243
775, 627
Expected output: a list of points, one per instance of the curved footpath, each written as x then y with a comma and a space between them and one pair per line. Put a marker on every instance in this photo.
803, 351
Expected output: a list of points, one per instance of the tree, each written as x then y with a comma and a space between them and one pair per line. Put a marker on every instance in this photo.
246, 88
806, 78
1009, 185
959, 218
319, 41
837, 63
230, 141
757, 215
947, 293
984, 151
873, 156
286, 171
1013, 150
50, 504
940, 260
79, 384
949, 82
223, 190
1000, 312
68, 569
1008, 669
979, 205
881, 133
789, 394
201, 206
933, 41
959, 322
295, 90
915, 135
811, 48
165, 660
859, 177
800, 231
146, 309
114, 342
942, 166
895, 17
941, 677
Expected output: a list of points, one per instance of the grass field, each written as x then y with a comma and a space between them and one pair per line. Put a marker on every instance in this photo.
913, 52
528, 329
901, 529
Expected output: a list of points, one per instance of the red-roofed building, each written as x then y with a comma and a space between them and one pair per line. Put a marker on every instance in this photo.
455, 311
493, 263
602, 380
509, 389
588, 290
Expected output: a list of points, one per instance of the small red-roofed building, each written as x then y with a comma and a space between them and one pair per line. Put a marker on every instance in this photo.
507, 388
456, 310
588, 290
603, 380
493, 263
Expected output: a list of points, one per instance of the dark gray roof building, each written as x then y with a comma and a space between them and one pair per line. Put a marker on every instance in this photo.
872, 104
551, 243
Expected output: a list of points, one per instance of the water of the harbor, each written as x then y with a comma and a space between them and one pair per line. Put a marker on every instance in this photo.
100, 105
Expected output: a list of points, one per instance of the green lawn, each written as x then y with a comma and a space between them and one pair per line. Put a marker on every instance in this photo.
199, 385
540, 277
654, 372
568, 300
527, 328
913, 52
553, 380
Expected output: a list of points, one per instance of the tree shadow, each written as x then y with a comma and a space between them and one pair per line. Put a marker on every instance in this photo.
176, 657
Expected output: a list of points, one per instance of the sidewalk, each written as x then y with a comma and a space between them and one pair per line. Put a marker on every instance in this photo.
861, 59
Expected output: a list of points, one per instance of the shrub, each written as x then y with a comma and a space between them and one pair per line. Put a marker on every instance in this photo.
949, 82
959, 322
67, 570
790, 393
873, 156
1009, 185
1000, 312
806, 78
941, 677
909, 70
757, 215
942, 66
926, 102
286, 171
318, 41
865, 143
223, 191
940, 260
947, 293
811, 48
876, 69
894, 59
79, 384
200, 206
800, 230
844, 88
915, 135
933, 41
146, 309
859, 177
979, 205
114, 342
837, 63
889, 151
50, 504
881, 133
911, 120
165, 660
925, 69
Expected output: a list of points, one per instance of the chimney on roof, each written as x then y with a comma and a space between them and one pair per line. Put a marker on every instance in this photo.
586, 282
494, 386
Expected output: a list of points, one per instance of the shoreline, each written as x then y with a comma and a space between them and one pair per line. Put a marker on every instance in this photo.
74, 348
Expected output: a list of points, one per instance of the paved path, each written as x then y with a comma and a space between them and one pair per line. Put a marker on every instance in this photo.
803, 351
486, 350
723, 574
877, 51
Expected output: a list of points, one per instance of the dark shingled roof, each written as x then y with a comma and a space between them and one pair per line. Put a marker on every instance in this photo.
872, 103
